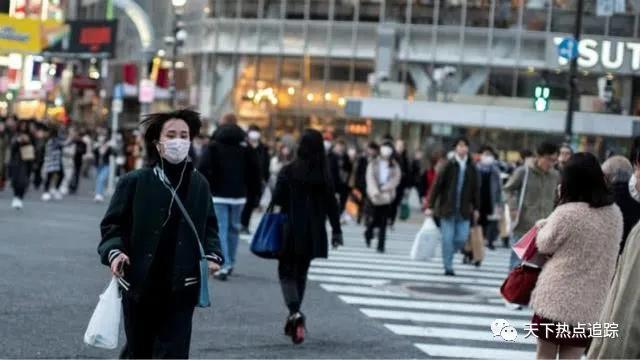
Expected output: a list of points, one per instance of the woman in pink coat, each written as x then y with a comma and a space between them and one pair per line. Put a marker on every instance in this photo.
581, 238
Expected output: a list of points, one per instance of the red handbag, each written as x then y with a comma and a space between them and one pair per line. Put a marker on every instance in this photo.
519, 284
521, 281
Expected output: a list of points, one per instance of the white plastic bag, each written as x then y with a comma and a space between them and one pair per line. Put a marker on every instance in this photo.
104, 327
426, 241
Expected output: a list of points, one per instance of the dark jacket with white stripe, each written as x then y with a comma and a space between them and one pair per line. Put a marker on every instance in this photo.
133, 224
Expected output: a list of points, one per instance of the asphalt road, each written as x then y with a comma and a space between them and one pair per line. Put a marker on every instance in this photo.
50, 279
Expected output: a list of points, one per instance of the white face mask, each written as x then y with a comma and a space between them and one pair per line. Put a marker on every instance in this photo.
327, 145
386, 152
487, 159
254, 135
176, 150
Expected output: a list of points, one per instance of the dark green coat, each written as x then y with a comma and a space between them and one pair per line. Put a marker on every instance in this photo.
443, 194
133, 225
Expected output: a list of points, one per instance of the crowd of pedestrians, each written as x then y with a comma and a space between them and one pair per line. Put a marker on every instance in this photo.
585, 211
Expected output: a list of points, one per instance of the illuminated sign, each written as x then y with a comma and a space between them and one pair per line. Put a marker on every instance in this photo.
603, 55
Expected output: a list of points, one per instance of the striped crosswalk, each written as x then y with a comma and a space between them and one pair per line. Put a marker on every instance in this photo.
445, 317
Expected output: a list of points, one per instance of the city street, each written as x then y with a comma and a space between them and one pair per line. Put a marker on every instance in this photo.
359, 304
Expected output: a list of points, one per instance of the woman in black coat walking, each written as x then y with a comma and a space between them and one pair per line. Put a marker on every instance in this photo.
305, 193
151, 242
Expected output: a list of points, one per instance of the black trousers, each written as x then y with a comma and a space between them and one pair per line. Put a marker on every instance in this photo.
20, 174
379, 218
393, 210
53, 177
158, 326
293, 281
253, 201
75, 182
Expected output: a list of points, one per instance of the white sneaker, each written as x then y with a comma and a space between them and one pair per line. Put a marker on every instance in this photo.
16, 203
46, 197
64, 191
56, 195
99, 198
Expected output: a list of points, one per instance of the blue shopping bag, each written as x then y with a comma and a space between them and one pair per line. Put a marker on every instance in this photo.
268, 240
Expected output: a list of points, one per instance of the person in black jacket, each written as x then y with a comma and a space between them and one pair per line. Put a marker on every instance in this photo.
455, 200
232, 168
151, 248
304, 191
360, 179
253, 199
340, 168
402, 158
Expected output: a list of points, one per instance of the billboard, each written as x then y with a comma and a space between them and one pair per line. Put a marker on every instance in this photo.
87, 38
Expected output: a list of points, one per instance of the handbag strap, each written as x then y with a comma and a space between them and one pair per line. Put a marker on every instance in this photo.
523, 190
185, 213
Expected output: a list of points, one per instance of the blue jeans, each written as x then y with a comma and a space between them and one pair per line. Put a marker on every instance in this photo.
455, 232
229, 231
102, 176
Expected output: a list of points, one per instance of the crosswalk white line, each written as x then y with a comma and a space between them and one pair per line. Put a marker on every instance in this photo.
406, 269
347, 280
418, 264
497, 264
405, 276
363, 290
457, 352
461, 334
380, 286
431, 317
435, 305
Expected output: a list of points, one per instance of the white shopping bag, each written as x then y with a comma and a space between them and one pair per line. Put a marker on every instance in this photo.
104, 327
426, 241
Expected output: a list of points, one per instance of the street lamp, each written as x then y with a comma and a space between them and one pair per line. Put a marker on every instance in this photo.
179, 35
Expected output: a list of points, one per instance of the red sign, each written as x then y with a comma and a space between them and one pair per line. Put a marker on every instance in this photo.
94, 38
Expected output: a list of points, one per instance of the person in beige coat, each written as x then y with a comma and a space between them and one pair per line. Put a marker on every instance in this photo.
383, 177
622, 307
581, 238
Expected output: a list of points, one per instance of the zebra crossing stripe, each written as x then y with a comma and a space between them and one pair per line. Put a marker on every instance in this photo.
347, 280
502, 270
430, 317
406, 269
404, 276
435, 306
362, 290
459, 334
455, 351
495, 264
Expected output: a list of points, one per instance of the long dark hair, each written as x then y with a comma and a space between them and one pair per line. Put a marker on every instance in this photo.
153, 124
310, 165
584, 181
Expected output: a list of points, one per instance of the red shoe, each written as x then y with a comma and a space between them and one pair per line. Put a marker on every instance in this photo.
298, 328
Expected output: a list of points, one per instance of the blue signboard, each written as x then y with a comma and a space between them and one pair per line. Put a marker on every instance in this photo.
568, 48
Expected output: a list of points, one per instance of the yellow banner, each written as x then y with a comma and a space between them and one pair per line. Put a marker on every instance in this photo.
20, 35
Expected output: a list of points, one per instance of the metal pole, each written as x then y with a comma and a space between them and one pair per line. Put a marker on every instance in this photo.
573, 78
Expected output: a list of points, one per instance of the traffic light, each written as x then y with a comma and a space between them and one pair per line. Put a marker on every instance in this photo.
541, 98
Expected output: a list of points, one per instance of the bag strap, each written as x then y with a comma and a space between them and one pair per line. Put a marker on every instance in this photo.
184, 211
523, 190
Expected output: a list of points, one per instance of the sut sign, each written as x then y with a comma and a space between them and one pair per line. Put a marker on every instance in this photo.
599, 54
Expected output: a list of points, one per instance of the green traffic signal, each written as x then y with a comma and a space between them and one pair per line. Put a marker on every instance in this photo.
541, 98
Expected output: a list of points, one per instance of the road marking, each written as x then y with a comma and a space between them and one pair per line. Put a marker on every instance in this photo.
424, 316
363, 290
434, 305
406, 269
401, 276
348, 280
455, 351
452, 333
